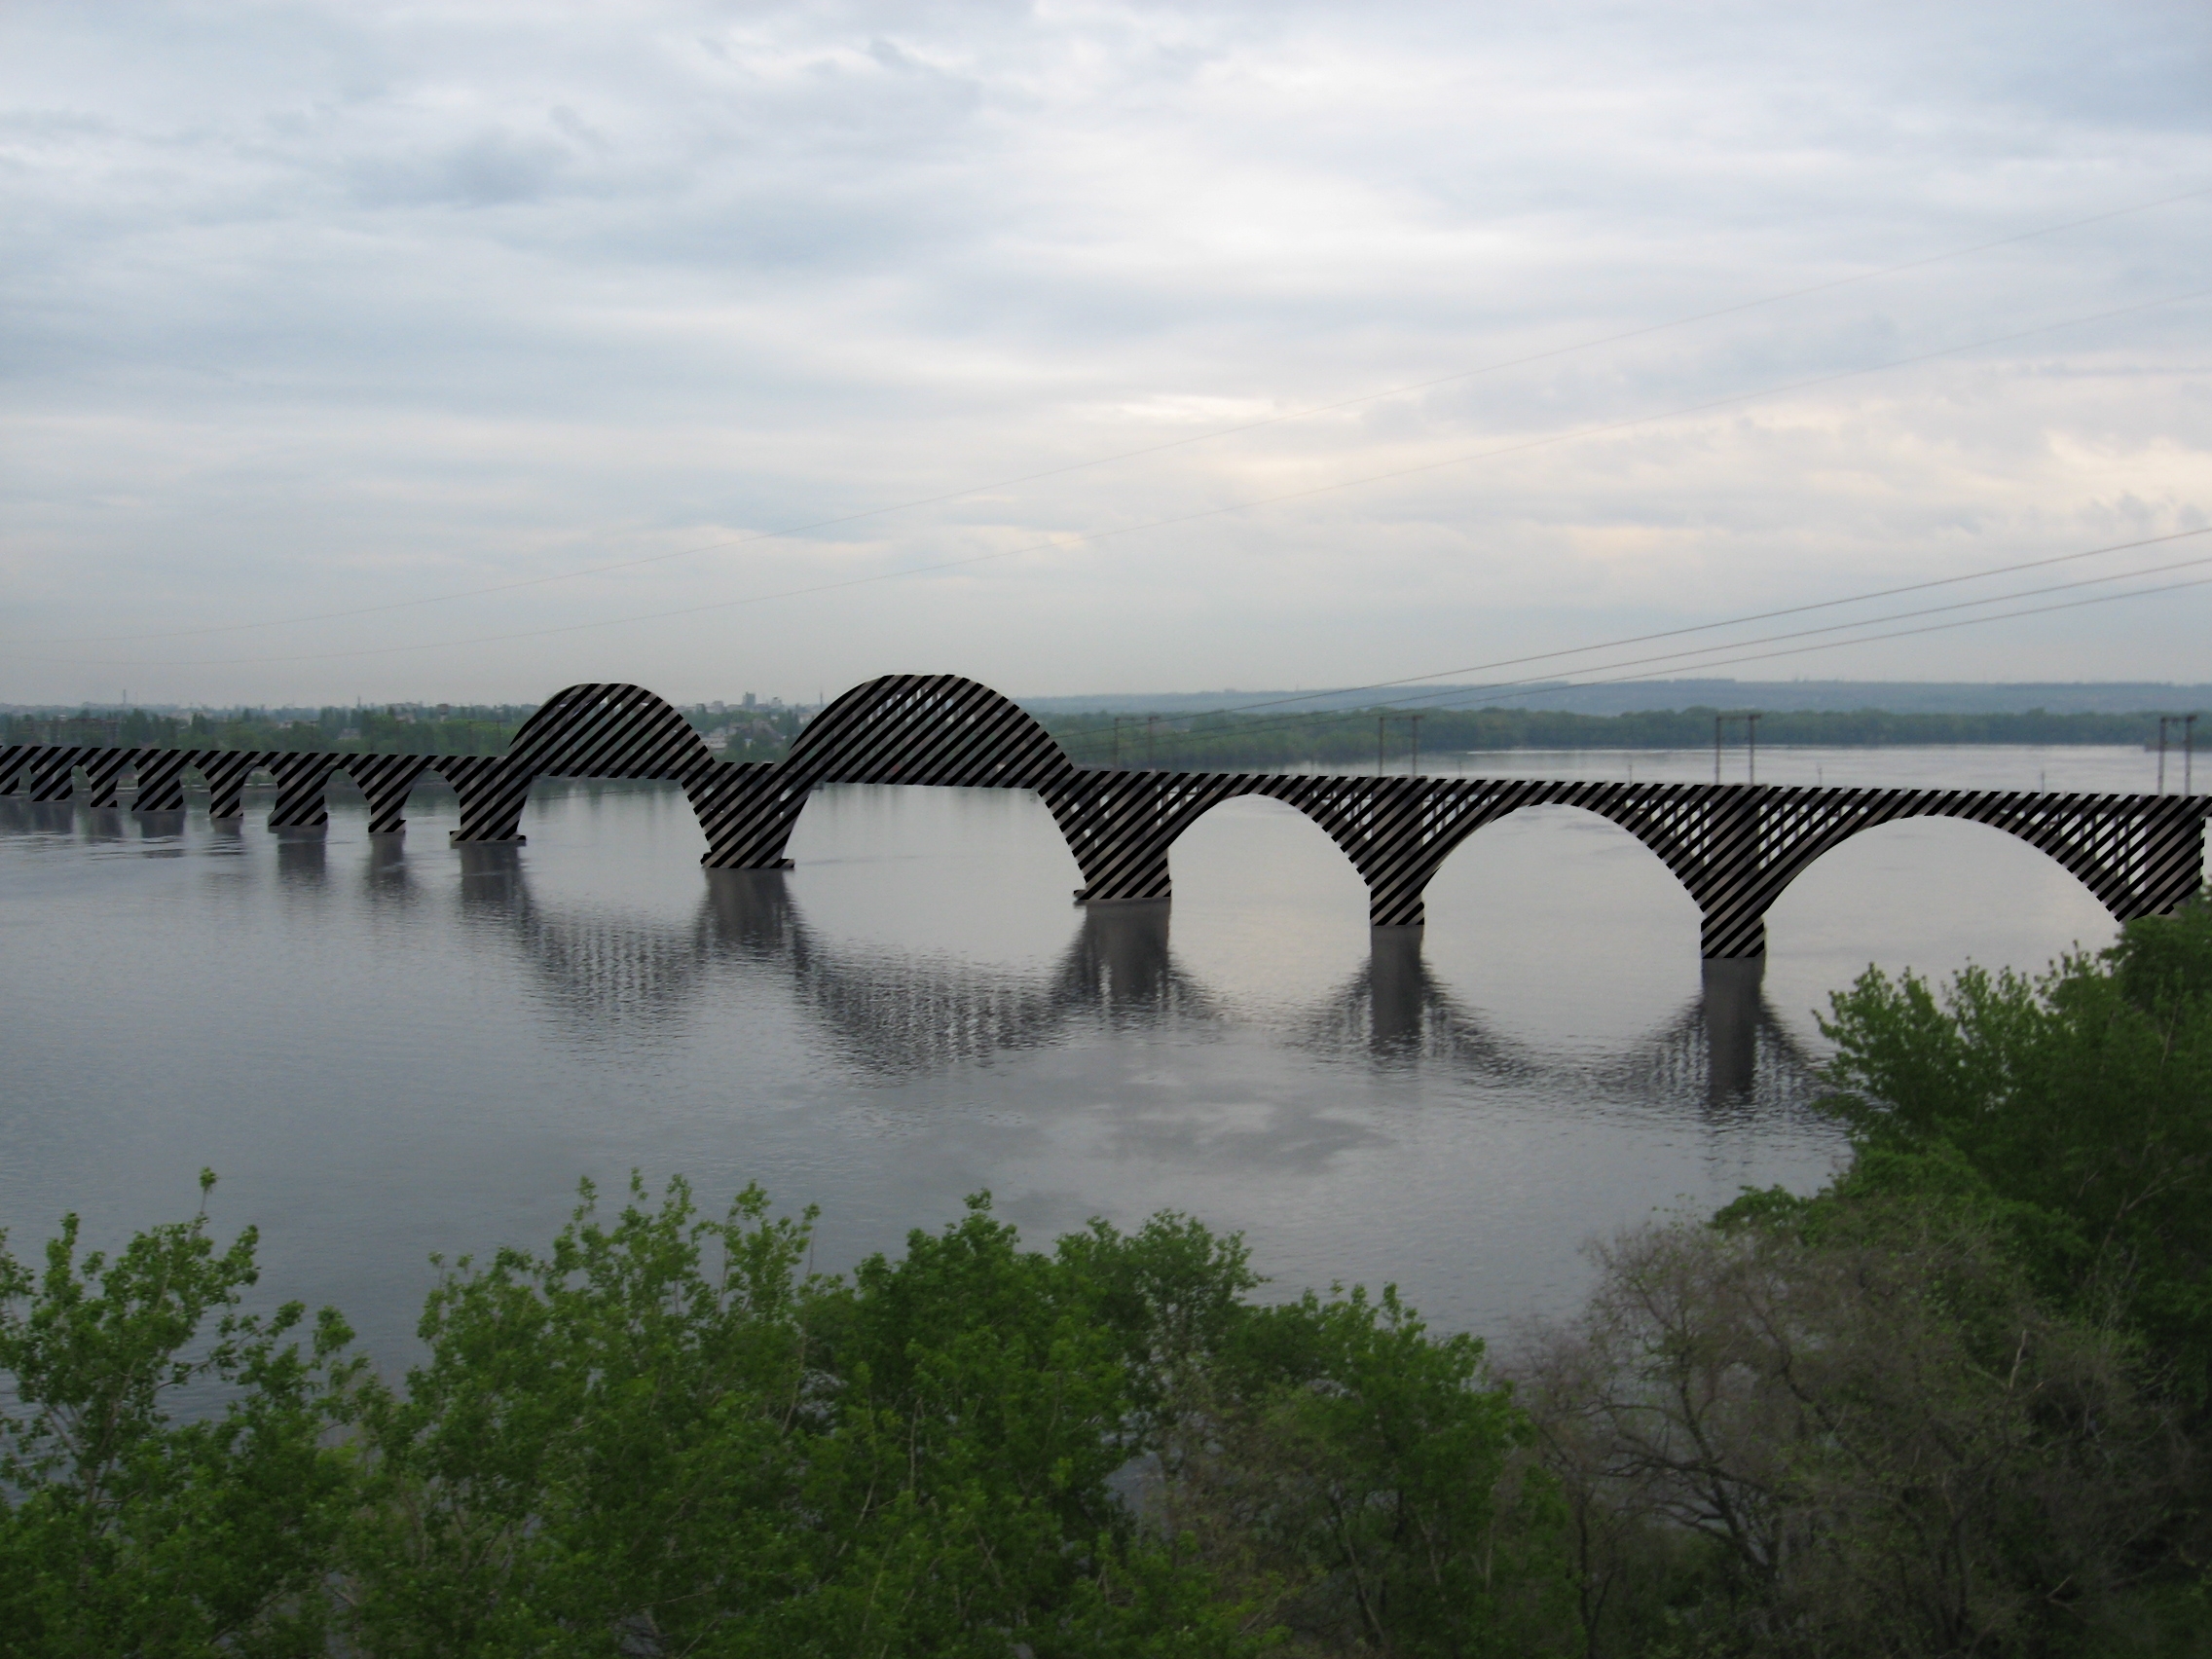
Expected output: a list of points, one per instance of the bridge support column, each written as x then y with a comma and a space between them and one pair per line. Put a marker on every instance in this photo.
301, 779
104, 772
747, 813
160, 779
1727, 937
1734, 892
492, 798
1391, 906
386, 781
1119, 826
226, 771
53, 774
1131, 881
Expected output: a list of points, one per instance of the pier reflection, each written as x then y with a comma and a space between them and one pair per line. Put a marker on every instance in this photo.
1727, 1048
895, 1015
891, 1014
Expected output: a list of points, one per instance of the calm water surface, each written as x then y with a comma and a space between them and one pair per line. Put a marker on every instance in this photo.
392, 1048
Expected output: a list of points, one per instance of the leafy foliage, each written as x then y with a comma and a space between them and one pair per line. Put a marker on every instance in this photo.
2074, 1108
661, 1436
129, 1530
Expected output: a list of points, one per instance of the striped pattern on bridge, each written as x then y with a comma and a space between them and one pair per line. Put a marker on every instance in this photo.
1735, 847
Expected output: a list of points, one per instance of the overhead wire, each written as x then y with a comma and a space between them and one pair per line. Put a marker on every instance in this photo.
1709, 627
1537, 685
1336, 406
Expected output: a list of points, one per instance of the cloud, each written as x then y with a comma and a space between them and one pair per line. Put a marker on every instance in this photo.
313, 308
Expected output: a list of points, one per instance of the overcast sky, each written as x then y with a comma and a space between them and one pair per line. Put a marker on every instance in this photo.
307, 309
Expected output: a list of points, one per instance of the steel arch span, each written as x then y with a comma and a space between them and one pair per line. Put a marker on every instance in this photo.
1735, 847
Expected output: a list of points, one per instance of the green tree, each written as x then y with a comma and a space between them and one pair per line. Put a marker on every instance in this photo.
126, 1530
1369, 1482
600, 1443
2075, 1107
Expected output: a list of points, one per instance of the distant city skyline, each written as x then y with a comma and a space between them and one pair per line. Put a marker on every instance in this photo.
360, 352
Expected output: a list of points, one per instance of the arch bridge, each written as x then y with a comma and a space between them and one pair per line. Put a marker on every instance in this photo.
1735, 847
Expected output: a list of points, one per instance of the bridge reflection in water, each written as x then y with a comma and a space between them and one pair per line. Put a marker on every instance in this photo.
895, 1016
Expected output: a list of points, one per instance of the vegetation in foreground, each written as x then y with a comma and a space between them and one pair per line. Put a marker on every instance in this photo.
1956, 1403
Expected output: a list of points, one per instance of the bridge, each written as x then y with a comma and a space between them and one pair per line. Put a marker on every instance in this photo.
1734, 847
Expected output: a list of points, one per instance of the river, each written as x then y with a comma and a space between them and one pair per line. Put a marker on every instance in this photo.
392, 1048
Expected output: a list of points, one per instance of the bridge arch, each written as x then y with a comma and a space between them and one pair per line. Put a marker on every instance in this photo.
1632, 818
927, 728
607, 731
1551, 916
1925, 891
1201, 805
2133, 863
1626, 821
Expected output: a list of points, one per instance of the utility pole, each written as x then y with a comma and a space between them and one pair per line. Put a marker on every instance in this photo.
2187, 724
1150, 721
1382, 745
1751, 719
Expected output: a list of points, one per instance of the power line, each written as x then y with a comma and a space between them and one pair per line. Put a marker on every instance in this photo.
1058, 543
1537, 687
1726, 622
1932, 628
915, 504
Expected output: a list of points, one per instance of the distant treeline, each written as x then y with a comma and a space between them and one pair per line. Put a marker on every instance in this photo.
1187, 742
398, 729
1268, 738
449, 729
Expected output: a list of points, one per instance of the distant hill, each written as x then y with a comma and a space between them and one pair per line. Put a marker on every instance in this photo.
1638, 697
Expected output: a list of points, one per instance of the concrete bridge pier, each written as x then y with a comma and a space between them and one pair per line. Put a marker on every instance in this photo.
301, 780
748, 814
225, 772
103, 773
491, 797
1727, 936
1120, 871
160, 779
53, 774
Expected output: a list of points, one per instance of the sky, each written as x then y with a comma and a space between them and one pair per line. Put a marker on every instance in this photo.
460, 352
